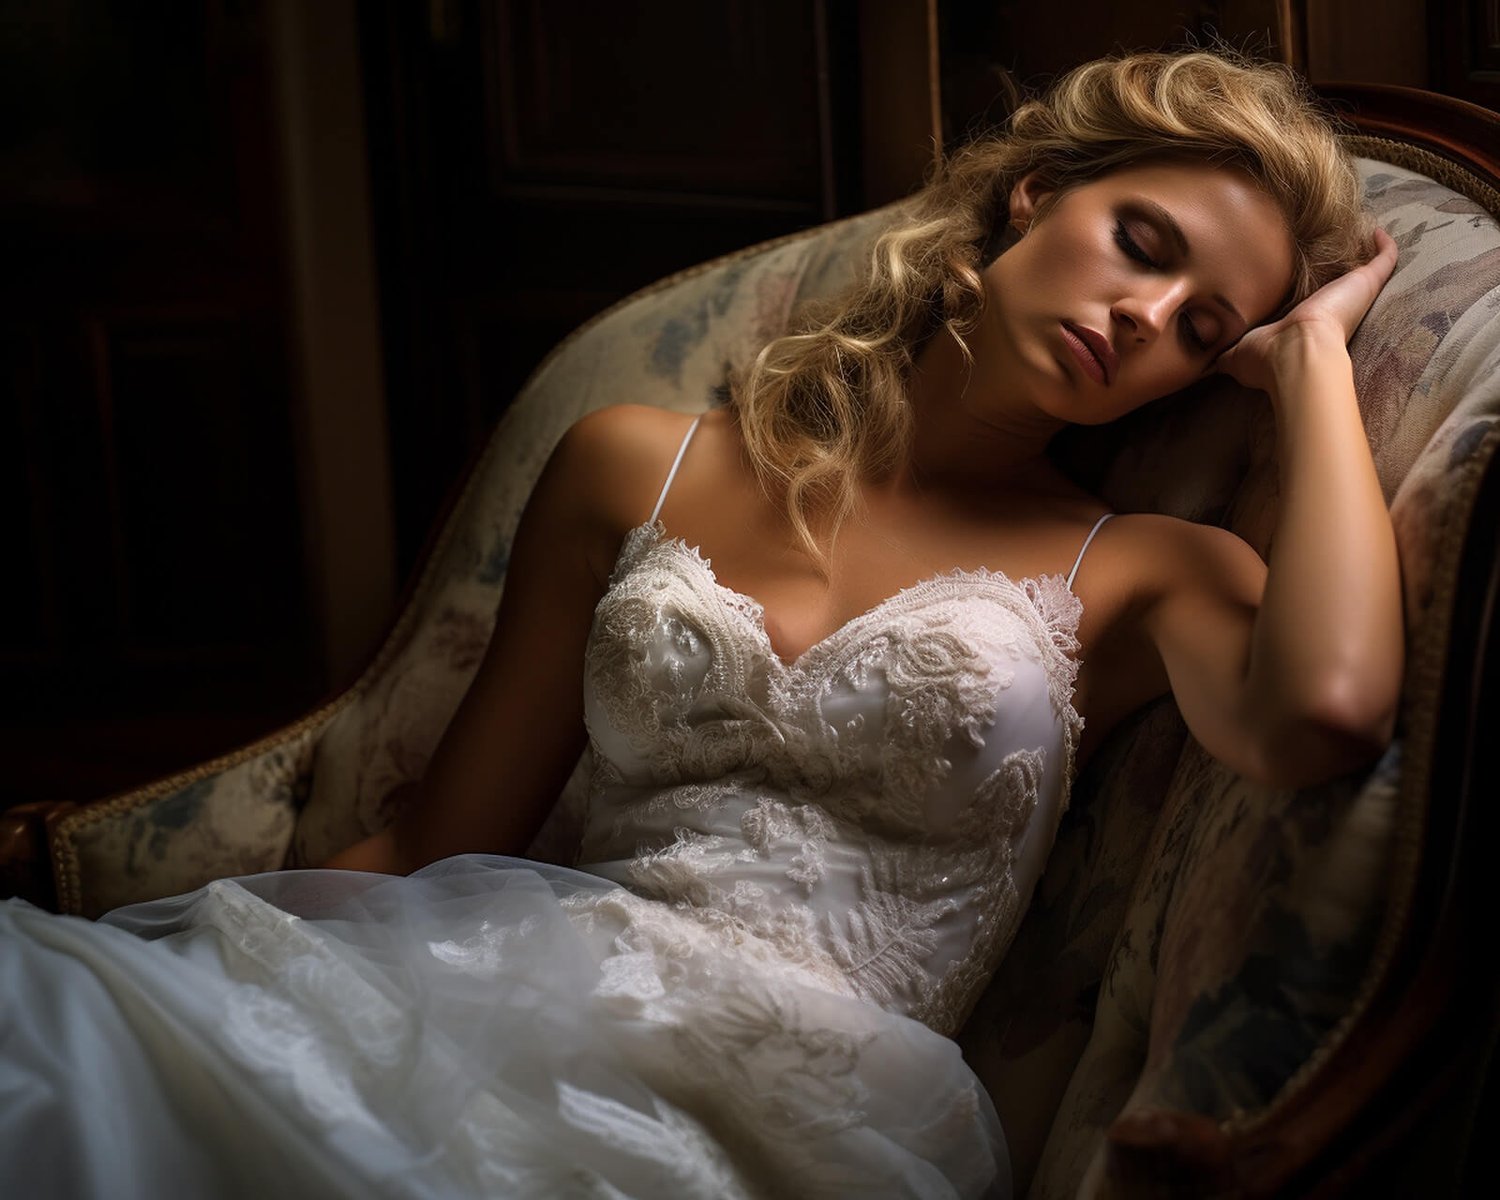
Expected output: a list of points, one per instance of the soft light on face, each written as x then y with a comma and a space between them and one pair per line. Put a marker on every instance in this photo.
1127, 288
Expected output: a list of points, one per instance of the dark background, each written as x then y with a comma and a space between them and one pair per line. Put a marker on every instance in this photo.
273, 269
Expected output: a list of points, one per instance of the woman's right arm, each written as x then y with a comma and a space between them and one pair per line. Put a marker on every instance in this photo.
1292, 674
519, 728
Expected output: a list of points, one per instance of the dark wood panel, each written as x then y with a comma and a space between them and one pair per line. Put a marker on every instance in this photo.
989, 51
1465, 39
28, 601
1371, 41
146, 408
156, 504
201, 471
65, 533
112, 113
668, 97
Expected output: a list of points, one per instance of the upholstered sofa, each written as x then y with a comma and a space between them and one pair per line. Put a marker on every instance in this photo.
1220, 988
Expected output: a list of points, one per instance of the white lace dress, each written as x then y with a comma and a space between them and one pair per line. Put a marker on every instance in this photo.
795, 880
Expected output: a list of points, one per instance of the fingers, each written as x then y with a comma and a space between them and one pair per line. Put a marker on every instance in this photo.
1383, 261
1380, 267
1343, 302
1350, 296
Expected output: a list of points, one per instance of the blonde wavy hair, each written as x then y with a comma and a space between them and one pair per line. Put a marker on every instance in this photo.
824, 407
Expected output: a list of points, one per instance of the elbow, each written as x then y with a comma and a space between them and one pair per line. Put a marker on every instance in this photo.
1359, 711
1343, 731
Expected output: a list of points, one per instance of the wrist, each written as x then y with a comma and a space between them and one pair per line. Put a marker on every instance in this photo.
1309, 361
1304, 344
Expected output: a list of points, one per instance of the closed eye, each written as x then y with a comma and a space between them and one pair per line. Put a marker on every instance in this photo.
1193, 337
1132, 248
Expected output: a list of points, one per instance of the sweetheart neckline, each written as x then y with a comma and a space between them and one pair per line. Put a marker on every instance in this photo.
757, 613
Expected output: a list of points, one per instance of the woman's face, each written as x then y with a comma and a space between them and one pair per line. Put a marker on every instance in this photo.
1128, 287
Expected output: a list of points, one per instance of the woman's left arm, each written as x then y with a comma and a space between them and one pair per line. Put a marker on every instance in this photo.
1320, 676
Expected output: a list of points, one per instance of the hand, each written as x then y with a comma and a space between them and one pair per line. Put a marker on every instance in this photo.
1332, 312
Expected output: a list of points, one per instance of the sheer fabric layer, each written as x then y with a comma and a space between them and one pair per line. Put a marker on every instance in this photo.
486, 1026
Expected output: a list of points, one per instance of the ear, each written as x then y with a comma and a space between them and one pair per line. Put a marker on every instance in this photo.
1026, 197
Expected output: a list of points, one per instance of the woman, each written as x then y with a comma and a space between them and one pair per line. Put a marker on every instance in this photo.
833, 738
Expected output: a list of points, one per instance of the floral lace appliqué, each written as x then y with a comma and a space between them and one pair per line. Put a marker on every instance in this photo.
786, 809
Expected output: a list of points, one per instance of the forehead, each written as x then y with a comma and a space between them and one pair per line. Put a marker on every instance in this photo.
1234, 231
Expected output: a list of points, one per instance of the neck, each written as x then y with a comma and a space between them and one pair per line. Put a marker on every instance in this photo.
963, 433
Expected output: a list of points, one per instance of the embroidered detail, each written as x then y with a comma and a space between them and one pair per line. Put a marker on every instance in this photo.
887, 936
806, 825
787, 809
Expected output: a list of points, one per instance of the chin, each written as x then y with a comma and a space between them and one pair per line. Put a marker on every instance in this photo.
1104, 418
1075, 409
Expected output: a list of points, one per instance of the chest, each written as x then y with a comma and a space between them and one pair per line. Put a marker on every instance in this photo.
931, 683
801, 603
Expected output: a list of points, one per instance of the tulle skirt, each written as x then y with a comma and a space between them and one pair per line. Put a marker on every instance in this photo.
484, 1027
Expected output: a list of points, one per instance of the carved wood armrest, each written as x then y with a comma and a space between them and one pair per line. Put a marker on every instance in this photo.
25, 858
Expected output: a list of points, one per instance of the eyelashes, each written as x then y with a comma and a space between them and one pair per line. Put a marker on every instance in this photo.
1135, 251
1132, 248
1195, 340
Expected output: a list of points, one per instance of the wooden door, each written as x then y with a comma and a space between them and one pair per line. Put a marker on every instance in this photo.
155, 605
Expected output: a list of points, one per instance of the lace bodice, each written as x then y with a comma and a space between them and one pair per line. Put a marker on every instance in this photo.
875, 813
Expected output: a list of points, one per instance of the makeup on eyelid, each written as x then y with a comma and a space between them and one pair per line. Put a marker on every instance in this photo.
1124, 288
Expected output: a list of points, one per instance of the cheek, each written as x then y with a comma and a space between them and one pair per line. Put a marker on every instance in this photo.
1076, 259
1051, 271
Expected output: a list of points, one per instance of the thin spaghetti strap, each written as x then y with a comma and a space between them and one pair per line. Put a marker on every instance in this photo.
676, 462
1078, 562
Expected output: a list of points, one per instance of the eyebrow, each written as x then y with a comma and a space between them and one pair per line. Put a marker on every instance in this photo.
1168, 222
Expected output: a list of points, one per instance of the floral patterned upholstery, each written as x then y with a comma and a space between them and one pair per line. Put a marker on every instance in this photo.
1196, 940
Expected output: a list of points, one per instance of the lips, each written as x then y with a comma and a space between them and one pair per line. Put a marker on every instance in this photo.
1093, 351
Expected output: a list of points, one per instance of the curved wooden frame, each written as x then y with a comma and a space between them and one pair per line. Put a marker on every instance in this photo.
1456, 130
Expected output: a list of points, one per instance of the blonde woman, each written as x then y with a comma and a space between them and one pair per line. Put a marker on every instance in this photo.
843, 646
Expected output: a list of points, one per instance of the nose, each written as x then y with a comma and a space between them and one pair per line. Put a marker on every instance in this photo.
1147, 309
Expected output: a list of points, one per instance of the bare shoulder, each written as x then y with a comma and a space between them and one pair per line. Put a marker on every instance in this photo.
615, 459
622, 442
623, 426
1174, 558
605, 473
